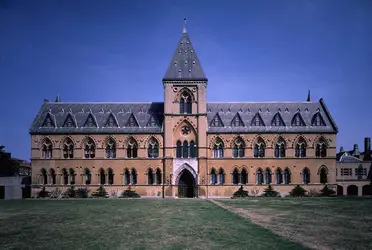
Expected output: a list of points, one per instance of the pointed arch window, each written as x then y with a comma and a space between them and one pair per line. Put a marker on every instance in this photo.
218, 148
280, 146
259, 148
287, 176
259, 177
88, 176
89, 149
185, 103
126, 177
72, 176
300, 148
44, 176
111, 122
297, 120
150, 177
213, 177
277, 120
132, 148
65, 176
110, 148
257, 120
244, 176
323, 175
102, 176
134, 176
216, 121
158, 176
321, 148
68, 149
192, 149
52, 176
239, 148
235, 176
179, 149
221, 176
69, 121
305, 176
110, 175
317, 120
279, 176
153, 148
185, 149
90, 121
47, 149
268, 176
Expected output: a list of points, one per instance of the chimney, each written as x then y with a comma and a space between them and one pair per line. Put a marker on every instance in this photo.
367, 144
342, 149
356, 150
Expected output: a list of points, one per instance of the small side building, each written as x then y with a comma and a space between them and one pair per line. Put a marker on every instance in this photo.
354, 170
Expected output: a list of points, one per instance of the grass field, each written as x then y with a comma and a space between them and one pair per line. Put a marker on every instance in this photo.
185, 224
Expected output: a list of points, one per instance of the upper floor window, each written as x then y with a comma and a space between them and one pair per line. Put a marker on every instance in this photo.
300, 148
132, 148
89, 149
321, 148
239, 148
185, 150
317, 120
185, 104
279, 148
218, 148
237, 121
110, 148
259, 148
47, 149
68, 148
153, 148
257, 120
297, 120
277, 120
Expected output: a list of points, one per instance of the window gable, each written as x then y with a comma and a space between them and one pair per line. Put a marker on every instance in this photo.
152, 122
90, 121
237, 121
257, 120
111, 122
297, 120
132, 122
317, 120
69, 122
277, 120
216, 121
48, 121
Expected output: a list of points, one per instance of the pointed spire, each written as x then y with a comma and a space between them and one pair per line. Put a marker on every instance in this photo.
308, 96
184, 26
58, 99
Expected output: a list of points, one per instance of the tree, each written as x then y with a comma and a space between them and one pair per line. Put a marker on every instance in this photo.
327, 191
241, 192
298, 191
270, 192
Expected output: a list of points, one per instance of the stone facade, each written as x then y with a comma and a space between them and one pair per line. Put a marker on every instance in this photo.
184, 147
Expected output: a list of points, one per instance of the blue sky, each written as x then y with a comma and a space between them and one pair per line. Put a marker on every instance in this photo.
250, 51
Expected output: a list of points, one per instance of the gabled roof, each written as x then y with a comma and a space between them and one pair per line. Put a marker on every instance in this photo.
185, 64
347, 158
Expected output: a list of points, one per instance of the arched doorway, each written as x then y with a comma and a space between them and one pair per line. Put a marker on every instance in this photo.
352, 190
367, 190
340, 190
186, 185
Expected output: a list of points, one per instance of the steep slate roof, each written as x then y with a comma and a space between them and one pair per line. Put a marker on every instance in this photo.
101, 112
347, 158
185, 64
267, 111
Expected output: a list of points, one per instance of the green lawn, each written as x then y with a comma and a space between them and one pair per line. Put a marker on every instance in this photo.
130, 224
322, 223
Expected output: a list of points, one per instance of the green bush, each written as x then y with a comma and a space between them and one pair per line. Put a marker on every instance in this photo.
241, 192
101, 192
129, 194
298, 191
270, 192
43, 193
82, 192
313, 193
70, 192
327, 191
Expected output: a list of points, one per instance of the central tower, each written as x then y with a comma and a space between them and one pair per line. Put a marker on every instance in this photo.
185, 118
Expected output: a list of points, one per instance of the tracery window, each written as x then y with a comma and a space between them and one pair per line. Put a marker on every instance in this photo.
259, 176
300, 149
218, 148
89, 149
132, 148
47, 149
268, 176
185, 104
150, 177
279, 151
321, 148
153, 148
68, 149
305, 176
221, 176
259, 148
110, 175
239, 148
110, 149
88, 176
213, 177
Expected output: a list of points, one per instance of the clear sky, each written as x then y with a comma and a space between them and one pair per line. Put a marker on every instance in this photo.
250, 50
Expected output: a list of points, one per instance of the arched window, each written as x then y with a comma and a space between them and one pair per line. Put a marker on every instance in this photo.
221, 176
244, 176
88, 176
321, 148
110, 174
179, 149
47, 149
239, 147
185, 149
185, 104
235, 176
150, 177
153, 148
213, 177
158, 176
72, 176
89, 149
300, 150
132, 148
323, 175
52, 176
279, 177
218, 148
126, 177
259, 176
268, 176
192, 149
287, 176
68, 148
102, 177
305, 176
44, 176
110, 149
280, 148
65, 176
134, 176
259, 148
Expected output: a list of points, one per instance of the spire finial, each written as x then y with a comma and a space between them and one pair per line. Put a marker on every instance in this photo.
308, 96
58, 99
184, 26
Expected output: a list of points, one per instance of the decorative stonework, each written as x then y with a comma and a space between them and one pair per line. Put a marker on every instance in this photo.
181, 164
